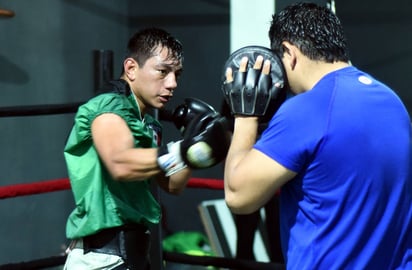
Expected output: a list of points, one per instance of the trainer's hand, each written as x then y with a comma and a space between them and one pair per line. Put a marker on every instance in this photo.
254, 82
243, 66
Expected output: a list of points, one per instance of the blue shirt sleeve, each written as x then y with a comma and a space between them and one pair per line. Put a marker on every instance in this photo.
293, 134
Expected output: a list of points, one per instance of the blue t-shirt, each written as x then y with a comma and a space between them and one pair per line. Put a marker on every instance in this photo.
350, 206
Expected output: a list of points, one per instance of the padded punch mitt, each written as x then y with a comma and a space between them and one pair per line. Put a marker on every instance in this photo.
252, 93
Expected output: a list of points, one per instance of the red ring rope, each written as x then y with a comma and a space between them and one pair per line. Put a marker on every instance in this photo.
64, 184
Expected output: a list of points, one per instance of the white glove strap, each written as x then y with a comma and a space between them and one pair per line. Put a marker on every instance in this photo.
172, 162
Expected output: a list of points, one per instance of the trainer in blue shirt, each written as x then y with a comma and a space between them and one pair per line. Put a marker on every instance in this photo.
339, 150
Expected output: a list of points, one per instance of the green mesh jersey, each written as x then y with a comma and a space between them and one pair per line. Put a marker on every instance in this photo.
102, 202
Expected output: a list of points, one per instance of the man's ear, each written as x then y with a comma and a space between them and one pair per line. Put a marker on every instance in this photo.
130, 65
289, 54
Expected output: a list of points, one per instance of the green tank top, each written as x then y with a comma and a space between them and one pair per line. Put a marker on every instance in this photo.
102, 202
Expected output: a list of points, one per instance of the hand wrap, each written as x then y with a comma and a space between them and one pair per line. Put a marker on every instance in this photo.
169, 158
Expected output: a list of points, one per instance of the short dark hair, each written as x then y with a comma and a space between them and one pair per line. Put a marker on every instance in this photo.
143, 44
315, 30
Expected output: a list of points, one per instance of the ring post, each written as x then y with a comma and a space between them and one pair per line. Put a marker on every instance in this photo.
103, 69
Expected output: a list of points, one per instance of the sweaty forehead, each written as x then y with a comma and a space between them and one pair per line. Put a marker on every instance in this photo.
167, 56
162, 60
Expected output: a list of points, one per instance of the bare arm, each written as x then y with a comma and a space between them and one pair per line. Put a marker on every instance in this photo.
175, 183
115, 144
251, 177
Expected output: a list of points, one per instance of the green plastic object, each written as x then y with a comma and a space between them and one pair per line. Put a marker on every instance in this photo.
191, 243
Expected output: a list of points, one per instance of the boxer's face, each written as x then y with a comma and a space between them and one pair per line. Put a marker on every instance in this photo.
156, 79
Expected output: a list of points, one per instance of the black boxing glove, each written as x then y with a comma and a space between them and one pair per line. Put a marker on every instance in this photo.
182, 115
205, 144
252, 93
206, 141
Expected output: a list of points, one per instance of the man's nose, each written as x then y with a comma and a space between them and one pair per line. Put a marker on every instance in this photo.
171, 81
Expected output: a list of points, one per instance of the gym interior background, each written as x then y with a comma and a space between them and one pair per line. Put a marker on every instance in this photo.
46, 57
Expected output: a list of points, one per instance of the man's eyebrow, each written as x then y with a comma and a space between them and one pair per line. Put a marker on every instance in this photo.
170, 66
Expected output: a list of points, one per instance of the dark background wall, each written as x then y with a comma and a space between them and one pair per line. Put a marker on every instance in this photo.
46, 58
380, 43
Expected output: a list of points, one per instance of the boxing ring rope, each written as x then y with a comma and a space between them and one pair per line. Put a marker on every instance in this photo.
33, 110
46, 186
64, 184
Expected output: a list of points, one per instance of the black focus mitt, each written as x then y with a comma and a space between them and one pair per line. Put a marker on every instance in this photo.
252, 93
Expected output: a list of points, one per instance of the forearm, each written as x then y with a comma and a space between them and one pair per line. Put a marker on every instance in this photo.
251, 177
243, 139
134, 164
175, 183
141, 164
